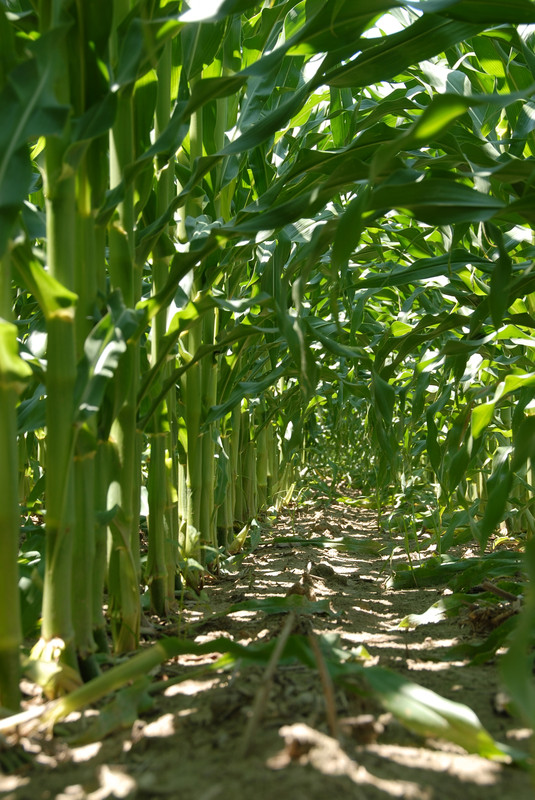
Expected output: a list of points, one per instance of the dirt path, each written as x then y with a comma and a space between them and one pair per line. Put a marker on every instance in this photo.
189, 744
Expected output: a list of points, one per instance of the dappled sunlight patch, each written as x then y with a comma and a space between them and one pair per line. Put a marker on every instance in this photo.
163, 726
191, 687
114, 782
379, 640
187, 712
86, 752
11, 783
429, 642
307, 747
467, 768
432, 666
376, 602
243, 615
523, 735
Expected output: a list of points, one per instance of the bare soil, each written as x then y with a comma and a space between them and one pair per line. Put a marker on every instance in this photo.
191, 742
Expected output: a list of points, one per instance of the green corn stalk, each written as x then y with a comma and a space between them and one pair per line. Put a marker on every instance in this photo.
156, 576
57, 634
225, 511
61, 376
88, 277
94, 168
248, 464
191, 392
124, 490
84, 552
261, 460
209, 396
196, 387
182, 492
103, 460
171, 516
237, 501
272, 466
161, 559
13, 375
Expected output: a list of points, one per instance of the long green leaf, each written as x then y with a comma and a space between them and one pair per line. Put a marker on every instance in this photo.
389, 56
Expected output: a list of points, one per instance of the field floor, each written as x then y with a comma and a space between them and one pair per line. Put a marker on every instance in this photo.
309, 740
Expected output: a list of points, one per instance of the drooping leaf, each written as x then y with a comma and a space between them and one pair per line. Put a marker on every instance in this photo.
429, 714
119, 714
217, 11
448, 571
480, 652
14, 372
103, 349
498, 489
384, 58
349, 230
501, 277
493, 12
384, 395
437, 201
52, 296
447, 606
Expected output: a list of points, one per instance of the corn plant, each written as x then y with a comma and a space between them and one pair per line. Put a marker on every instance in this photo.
241, 232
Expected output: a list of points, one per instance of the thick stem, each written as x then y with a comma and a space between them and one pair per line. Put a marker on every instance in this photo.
57, 606
10, 622
103, 455
235, 465
161, 559
157, 491
88, 264
261, 464
208, 397
57, 623
124, 492
124, 603
191, 391
83, 562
